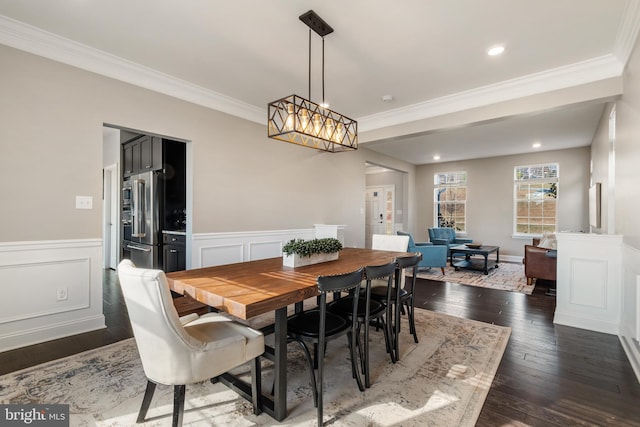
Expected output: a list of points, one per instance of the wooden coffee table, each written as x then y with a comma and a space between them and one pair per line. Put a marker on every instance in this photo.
474, 264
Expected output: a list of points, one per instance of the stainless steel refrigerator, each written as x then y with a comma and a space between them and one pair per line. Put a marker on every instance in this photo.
140, 219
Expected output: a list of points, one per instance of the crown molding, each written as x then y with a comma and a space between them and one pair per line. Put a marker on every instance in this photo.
576, 74
34, 40
628, 31
588, 71
31, 39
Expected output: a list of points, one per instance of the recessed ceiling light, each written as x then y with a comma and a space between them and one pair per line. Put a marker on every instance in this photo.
436, 157
387, 98
495, 50
536, 145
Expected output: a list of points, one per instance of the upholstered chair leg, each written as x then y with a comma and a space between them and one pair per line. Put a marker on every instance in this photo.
442, 269
256, 385
146, 401
178, 404
529, 281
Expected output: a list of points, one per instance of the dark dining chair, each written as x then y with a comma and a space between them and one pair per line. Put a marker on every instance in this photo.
318, 326
402, 298
369, 310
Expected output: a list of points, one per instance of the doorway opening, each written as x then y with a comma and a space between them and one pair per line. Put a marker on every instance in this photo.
159, 166
386, 201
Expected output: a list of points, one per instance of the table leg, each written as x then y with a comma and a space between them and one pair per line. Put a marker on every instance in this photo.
280, 365
486, 263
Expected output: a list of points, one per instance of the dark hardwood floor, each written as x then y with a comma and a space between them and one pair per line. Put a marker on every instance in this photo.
550, 375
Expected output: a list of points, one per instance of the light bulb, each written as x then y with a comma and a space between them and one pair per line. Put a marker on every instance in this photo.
317, 124
329, 131
339, 134
304, 120
290, 120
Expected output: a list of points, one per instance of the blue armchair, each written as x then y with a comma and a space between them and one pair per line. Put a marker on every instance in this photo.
446, 236
432, 255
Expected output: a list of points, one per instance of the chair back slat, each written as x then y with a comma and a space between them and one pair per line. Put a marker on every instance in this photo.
340, 282
379, 271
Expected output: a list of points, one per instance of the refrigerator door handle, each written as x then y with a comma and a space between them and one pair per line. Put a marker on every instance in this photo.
138, 208
138, 248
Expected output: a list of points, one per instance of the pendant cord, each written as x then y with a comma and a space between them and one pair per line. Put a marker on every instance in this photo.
309, 64
323, 103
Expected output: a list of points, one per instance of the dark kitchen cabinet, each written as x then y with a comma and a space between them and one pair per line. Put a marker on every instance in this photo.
141, 155
173, 252
127, 159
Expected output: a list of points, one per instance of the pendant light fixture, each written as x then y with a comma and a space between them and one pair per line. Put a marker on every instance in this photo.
300, 121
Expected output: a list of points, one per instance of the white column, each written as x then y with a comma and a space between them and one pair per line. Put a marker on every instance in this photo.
589, 283
328, 230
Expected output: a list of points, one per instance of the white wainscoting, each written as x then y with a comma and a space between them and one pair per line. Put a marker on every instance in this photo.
588, 289
209, 249
630, 317
32, 274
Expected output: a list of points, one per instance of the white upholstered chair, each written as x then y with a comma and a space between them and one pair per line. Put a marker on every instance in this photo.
178, 351
387, 242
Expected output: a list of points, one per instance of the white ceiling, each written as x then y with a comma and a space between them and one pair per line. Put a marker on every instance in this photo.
236, 56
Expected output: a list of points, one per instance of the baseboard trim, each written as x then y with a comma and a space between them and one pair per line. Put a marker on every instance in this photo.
632, 351
51, 332
574, 321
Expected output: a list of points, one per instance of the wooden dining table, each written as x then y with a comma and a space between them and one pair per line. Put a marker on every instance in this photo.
249, 289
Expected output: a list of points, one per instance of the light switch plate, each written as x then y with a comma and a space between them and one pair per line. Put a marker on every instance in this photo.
84, 202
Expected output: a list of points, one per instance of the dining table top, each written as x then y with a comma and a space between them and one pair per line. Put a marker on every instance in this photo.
248, 289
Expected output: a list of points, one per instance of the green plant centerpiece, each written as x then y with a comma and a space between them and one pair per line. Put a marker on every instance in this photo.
300, 252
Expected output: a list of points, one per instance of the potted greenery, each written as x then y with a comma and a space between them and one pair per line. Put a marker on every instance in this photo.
300, 252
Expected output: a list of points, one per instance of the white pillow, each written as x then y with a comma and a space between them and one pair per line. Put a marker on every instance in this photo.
548, 241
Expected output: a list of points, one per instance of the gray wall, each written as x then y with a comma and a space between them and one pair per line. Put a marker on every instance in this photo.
626, 198
627, 157
52, 150
52, 136
490, 195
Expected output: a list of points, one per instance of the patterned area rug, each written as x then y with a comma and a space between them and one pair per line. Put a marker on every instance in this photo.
442, 381
507, 277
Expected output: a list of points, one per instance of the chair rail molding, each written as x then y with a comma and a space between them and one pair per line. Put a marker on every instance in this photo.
51, 289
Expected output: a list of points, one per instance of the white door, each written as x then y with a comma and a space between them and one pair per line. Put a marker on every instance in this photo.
379, 216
